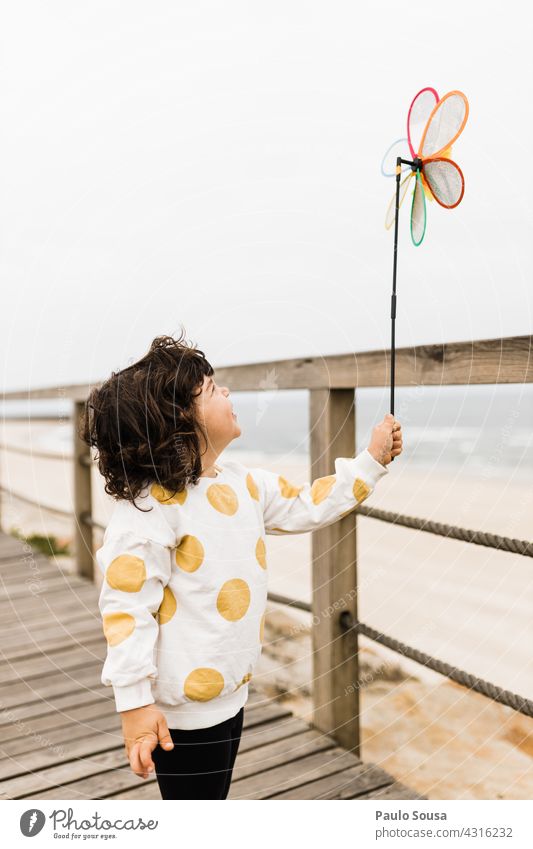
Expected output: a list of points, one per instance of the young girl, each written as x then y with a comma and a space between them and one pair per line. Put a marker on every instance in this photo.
184, 559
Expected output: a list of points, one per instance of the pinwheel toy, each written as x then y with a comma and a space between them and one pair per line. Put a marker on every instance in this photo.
433, 125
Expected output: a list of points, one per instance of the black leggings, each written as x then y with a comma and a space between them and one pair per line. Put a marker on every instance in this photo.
201, 763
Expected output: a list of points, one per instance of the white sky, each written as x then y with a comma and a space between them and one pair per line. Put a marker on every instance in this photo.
218, 164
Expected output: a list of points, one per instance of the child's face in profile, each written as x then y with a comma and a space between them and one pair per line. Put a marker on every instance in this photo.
215, 411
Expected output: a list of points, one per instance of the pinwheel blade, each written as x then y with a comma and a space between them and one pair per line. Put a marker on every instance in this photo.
417, 117
445, 180
418, 213
388, 164
404, 185
445, 124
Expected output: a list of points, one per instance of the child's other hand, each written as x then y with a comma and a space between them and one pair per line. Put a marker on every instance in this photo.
386, 441
143, 728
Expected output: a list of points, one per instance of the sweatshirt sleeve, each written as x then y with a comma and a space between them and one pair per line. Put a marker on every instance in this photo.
296, 509
136, 571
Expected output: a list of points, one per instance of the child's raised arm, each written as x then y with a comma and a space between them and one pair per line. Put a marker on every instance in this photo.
297, 509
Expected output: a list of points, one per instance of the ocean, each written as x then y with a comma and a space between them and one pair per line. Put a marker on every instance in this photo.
484, 430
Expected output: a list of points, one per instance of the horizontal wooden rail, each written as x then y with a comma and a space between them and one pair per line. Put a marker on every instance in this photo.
506, 360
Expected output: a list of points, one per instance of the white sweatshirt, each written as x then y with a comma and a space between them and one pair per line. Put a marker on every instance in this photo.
185, 589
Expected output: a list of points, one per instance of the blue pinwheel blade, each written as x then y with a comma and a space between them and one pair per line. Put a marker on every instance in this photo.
388, 164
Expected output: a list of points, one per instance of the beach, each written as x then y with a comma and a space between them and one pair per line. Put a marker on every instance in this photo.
466, 604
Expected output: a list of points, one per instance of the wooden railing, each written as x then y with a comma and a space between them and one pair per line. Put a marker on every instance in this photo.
331, 382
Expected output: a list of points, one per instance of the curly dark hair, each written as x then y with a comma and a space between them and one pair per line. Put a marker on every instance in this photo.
142, 420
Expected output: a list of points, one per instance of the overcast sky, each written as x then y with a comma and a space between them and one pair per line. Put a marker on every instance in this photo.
217, 164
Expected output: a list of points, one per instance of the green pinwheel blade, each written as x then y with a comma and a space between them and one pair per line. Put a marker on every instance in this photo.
418, 212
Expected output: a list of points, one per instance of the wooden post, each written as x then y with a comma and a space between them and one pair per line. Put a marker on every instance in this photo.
334, 571
83, 532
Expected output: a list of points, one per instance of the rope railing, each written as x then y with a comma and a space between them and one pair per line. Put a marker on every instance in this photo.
30, 452
465, 679
48, 507
87, 519
515, 546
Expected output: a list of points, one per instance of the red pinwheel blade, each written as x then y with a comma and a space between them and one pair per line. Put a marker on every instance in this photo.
418, 212
445, 125
419, 111
391, 211
446, 181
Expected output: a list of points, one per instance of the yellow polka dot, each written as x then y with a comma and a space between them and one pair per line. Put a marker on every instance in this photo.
167, 608
288, 490
321, 488
189, 553
262, 628
252, 487
281, 530
117, 627
223, 498
245, 680
127, 573
165, 496
260, 553
360, 490
203, 684
233, 599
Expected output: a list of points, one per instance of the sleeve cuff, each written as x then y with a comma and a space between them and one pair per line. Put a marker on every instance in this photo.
369, 468
133, 695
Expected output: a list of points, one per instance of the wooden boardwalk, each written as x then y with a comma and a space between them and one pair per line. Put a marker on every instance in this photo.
61, 736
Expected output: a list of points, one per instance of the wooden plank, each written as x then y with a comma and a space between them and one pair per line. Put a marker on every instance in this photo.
84, 634
66, 585
40, 666
282, 729
26, 712
47, 623
65, 600
30, 560
147, 790
265, 713
11, 547
265, 785
334, 578
98, 759
109, 726
392, 791
275, 754
360, 778
85, 678
15, 578
496, 360
21, 735
47, 586
507, 360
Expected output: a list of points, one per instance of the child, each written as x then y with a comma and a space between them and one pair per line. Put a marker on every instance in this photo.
184, 558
